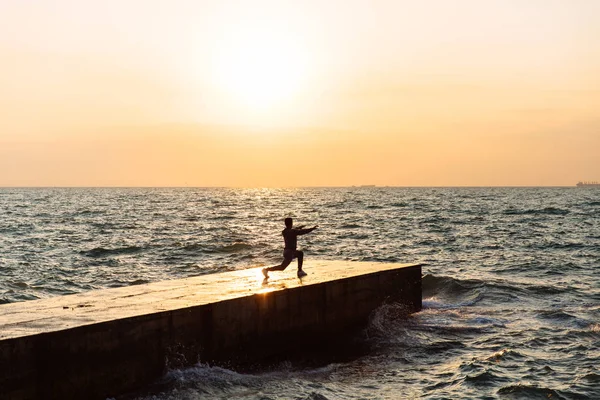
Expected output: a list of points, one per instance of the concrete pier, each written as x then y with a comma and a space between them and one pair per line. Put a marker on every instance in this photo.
103, 343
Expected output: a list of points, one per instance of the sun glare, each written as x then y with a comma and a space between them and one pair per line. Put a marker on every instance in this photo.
260, 70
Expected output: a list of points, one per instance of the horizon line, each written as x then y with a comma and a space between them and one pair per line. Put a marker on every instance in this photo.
291, 187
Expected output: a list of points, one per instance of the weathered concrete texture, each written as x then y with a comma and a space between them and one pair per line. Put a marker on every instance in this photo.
102, 343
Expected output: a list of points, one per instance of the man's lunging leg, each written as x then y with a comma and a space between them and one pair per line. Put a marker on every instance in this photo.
300, 256
284, 264
280, 267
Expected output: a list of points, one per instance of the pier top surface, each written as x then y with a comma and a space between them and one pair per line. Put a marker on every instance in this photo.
70, 311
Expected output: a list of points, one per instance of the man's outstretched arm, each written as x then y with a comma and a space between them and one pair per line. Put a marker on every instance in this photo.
305, 231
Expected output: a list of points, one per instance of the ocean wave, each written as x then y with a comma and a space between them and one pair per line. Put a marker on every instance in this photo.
546, 289
389, 324
443, 305
436, 285
485, 378
557, 245
556, 315
222, 217
441, 346
522, 391
591, 377
205, 381
138, 282
115, 283
350, 226
543, 211
231, 248
431, 331
355, 236
99, 252
87, 212
505, 355
315, 396
487, 321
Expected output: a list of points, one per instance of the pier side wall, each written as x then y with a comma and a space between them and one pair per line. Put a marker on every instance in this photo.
110, 358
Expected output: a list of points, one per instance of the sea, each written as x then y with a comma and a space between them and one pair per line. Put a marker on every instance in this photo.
511, 279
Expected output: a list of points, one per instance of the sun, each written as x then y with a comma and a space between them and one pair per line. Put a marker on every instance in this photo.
260, 70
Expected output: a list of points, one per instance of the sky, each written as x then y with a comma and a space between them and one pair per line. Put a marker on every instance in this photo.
275, 93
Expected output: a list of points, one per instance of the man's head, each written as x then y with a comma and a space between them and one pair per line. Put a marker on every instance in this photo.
289, 223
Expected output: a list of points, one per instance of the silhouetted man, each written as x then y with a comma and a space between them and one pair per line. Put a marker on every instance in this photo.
290, 236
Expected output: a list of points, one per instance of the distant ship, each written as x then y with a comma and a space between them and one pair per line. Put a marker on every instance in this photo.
588, 184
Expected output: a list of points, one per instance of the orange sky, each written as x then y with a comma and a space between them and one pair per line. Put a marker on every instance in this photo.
281, 93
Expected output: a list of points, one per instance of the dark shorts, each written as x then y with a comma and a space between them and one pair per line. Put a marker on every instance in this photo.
290, 254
